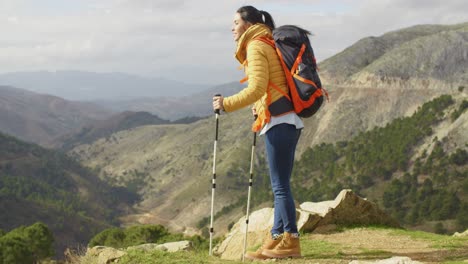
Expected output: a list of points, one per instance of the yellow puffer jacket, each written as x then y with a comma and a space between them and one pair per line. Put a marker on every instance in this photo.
262, 67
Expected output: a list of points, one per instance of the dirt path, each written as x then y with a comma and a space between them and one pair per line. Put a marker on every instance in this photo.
374, 244
357, 240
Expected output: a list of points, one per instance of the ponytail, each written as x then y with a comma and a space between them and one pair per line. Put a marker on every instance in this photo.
268, 19
253, 15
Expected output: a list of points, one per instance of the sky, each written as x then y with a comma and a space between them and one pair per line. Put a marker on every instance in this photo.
188, 41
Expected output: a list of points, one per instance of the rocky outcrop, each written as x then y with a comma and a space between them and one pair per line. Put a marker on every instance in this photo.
346, 209
169, 247
105, 255
463, 234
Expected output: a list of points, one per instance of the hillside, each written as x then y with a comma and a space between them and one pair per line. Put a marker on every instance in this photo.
166, 164
44, 185
171, 165
104, 128
172, 171
39, 118
420, 52
127, 120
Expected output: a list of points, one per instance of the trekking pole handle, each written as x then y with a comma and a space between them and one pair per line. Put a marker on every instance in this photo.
217, 110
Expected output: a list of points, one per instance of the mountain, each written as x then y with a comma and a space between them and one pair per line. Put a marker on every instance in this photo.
197, 104
105, 128
175, 160
174, 164
88, 86
43, 185
39, 118
425, 52
378, 79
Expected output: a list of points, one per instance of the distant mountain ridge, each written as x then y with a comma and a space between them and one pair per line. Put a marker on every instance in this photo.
39, 118
105, 128
88, 86
423, 51
172, 108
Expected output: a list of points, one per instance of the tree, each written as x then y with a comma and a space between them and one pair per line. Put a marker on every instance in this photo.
27, 244
14, 249
40, 240
112, 237
462, 217
460, 157
439, 228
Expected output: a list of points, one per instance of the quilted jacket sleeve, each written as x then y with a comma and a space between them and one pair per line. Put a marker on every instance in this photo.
258, 74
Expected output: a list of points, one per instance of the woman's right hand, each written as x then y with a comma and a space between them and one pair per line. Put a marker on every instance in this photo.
254, 111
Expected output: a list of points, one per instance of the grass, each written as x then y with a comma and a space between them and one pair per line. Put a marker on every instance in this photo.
446, 249
320, 249
438, 241
138, 256
375, 252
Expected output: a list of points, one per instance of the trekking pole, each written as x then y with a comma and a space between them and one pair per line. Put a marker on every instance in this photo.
248, 193
213, 181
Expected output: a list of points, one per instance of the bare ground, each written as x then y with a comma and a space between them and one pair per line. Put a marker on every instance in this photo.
372, 245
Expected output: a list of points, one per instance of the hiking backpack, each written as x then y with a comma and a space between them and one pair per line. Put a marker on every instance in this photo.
297, 58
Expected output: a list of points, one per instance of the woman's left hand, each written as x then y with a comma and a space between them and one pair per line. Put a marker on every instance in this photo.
218, 103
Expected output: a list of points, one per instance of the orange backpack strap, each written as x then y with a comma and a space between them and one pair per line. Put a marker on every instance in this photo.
268, 41
298, 59
280, 91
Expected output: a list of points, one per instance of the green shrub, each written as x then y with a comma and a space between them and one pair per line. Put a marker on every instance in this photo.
26, 244
137, 235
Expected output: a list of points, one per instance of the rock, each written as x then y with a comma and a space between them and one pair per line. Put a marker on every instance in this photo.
260, 222
177, 246
392, 260
169, 247
464, 234
346, 209
105, 255
146, 247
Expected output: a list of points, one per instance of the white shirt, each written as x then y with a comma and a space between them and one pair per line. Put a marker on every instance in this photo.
291, 118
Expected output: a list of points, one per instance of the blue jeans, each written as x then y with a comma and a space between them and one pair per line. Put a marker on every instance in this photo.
280, 143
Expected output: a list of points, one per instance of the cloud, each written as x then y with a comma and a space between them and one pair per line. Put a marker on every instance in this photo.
167, 38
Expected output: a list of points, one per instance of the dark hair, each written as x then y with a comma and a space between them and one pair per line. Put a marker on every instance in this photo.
254, 16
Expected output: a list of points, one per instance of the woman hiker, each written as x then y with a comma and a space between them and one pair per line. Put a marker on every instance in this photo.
276, 120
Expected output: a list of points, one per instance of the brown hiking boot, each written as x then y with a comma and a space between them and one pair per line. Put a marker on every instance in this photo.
289, 247
269, 243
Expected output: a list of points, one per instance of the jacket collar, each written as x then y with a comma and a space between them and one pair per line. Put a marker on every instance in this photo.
254, 31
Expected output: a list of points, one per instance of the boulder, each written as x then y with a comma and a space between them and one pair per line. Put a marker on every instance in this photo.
105, 255
464, 234
260, 222
169, 247
346, 209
